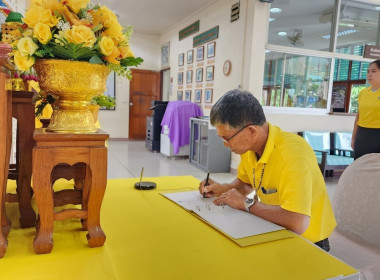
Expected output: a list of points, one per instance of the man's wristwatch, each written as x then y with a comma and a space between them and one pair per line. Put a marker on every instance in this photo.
248, 203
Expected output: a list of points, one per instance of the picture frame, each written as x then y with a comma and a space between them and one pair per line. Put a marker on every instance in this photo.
189, 76
190, 56
199, 75
181, 59
200, 53
180, 78
208, 95
110, 89
165, 55
179, 95
188, 95
211, 49
198, 96
210, 73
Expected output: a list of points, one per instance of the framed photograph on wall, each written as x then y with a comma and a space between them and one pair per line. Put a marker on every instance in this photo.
198, 96
199, 75
210, 73
200, 53
165, 54
211, 49
189, 76
190, 56
179, 95
188, 95
208, 95
181, 58
110, 89
180, 78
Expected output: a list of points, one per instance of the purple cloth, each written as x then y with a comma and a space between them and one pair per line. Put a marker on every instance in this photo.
177, 118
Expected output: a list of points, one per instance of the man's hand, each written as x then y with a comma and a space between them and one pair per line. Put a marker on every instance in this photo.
213, 188
233, 198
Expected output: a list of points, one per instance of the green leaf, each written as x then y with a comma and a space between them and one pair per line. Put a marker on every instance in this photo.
97, 28
131, 61
96, 60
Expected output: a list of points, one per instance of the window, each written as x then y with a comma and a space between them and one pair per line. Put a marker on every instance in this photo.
302, 44
295, 81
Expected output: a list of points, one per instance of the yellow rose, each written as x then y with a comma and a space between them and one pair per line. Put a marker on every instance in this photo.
113, 29
112, 57
81, 34
42, 33
73, 19
106, 45
126, 52
37, 14
23, 63
26, 46
76, 5
102, 15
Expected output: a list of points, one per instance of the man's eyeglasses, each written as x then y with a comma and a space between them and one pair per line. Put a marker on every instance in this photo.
226, 140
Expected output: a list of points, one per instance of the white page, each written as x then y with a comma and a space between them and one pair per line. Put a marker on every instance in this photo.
235, 223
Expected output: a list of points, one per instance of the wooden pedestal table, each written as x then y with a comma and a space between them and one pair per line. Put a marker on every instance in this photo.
5, 147
53, 149
23, 111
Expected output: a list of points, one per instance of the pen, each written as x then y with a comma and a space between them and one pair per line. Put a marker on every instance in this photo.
206, 182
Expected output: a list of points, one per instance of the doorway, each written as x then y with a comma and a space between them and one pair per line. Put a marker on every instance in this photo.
144, 88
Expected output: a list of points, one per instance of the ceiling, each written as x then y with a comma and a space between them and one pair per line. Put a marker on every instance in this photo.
154, 16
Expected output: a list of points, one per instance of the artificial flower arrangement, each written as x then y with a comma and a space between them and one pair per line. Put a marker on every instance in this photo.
74, 30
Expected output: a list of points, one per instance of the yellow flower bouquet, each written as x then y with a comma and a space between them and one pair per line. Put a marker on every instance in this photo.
74, 30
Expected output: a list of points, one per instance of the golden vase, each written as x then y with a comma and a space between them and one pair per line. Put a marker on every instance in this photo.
75, 83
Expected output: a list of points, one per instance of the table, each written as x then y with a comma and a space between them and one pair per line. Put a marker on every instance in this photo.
54, 149
156, 239
23, 111
150, 237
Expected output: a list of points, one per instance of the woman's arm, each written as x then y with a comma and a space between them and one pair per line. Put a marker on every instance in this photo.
355, 130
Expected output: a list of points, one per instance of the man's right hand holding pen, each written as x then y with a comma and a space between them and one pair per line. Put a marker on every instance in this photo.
212, 189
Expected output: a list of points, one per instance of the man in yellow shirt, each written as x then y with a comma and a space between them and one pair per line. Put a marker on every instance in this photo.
280, 168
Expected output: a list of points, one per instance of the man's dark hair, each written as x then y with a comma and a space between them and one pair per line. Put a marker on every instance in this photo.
237, 108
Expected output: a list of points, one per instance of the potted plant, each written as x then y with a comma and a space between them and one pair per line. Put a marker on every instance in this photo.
98, 101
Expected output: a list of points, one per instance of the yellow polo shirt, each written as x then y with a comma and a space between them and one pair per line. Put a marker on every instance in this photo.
291, 169
369, 108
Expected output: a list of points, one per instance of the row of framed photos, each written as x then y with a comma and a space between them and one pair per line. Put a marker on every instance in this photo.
209, 75
197, 95
210, 49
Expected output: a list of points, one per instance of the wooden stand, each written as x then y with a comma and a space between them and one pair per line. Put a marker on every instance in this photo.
54, 149
23, 111
5, 147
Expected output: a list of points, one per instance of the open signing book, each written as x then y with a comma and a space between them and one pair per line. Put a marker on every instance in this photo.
236, 224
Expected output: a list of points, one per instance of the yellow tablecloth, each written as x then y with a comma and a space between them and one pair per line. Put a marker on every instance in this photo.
150, 237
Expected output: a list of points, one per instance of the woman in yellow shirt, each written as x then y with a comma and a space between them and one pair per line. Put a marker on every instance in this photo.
366, 132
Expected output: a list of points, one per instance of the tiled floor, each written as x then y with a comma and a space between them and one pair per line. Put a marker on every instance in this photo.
126, 158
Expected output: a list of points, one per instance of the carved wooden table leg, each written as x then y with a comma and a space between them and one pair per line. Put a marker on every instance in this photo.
43, 242
98, 165
23, 111
5, 147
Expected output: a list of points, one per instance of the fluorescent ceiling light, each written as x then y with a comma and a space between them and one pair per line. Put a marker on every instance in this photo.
377, 8
342, 33
282, 33
275, 10
271, 19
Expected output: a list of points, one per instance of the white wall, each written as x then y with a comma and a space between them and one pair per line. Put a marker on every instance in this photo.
229, 45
